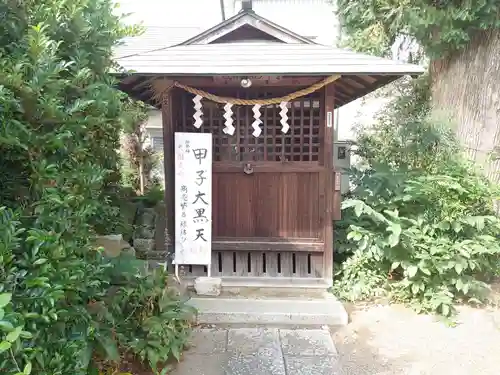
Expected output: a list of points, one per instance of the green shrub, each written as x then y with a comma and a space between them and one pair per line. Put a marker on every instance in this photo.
420, 222
61, 117
152, 197
60, 307
157, 322
49, 284
12, 335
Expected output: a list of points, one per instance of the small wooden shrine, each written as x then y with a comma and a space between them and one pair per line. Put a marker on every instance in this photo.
267, 96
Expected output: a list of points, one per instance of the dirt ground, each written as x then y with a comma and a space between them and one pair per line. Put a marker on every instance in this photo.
387, 340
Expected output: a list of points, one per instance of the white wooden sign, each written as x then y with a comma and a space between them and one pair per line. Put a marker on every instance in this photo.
329, 119
193, 198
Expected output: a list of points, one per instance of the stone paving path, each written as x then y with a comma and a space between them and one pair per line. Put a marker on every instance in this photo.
259, 351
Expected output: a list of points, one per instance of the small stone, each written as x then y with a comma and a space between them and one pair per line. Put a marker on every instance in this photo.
129, 250
208, 286
144, 245
146, 220
113, 244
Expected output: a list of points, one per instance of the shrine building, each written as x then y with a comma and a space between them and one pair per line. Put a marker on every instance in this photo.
266, 96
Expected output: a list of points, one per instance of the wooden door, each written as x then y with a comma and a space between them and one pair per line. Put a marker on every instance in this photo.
277, 197
268, 191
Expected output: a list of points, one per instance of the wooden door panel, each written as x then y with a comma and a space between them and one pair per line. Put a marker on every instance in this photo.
266, 205
307, 203
280, 201
267, 195
298, 205
287, 205
232, 205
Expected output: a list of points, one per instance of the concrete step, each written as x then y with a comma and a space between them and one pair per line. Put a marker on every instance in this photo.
274, 287
282, 287
270, 311
275, 282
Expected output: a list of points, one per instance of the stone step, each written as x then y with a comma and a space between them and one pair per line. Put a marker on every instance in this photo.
275, 282
270, 311
274, 287
279, 287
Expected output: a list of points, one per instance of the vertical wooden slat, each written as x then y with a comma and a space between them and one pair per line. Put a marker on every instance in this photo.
293, 129
265, 131
311, 129
236, 111
215, 264
215, 205
275, 153
321, 132
228, 263
184, 110
307, 208
321, 161
266, 194
169, 165
302, 269
243, 130
301, 124
241, 263
257, 264
286, 264
272, 264
329, 106
208, 127
317, 266
283, 139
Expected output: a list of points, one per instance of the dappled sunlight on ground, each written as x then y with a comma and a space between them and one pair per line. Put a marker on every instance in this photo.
384, 340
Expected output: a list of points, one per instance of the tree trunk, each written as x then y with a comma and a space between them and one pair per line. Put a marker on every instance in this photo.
466, 87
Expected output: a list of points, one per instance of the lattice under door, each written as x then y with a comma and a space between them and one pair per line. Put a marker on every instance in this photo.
264, 264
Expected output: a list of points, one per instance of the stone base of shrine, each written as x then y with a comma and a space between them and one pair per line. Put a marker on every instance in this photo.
288, 312
268, 287
249, 301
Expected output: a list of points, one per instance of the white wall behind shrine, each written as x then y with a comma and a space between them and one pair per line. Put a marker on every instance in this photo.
313, 19
173, 13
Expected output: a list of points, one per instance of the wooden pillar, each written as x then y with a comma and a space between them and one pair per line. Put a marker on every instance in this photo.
169, 165
328, 135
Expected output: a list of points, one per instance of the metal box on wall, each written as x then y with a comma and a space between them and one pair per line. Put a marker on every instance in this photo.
342, 162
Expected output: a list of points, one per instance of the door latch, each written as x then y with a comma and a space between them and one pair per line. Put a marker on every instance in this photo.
248, 169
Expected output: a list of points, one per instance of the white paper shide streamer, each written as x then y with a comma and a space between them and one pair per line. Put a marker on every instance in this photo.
198, 112
284, 117
256, 124
228, 113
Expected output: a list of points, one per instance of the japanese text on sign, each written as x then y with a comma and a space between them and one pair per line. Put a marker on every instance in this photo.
193, 198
